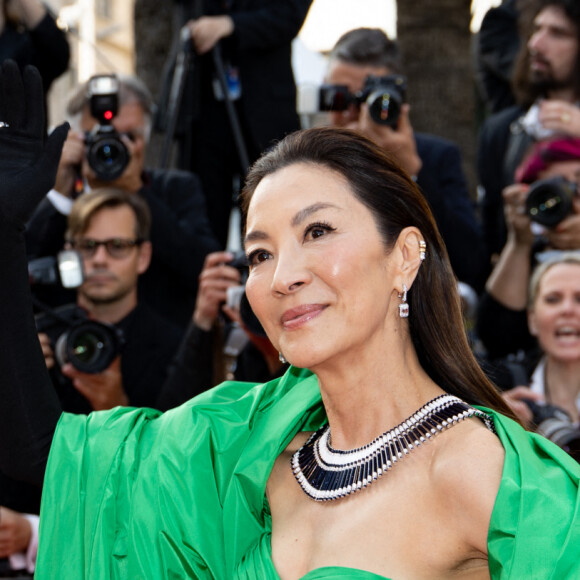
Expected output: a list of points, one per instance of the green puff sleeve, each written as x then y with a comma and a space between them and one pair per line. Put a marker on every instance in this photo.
132, 493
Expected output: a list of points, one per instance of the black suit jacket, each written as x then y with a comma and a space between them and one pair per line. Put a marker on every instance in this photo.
443, 183
260, 47
494, 140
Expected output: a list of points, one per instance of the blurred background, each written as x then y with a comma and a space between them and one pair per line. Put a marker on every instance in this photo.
135, 36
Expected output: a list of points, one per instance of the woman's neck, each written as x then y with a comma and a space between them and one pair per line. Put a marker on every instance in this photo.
364, 398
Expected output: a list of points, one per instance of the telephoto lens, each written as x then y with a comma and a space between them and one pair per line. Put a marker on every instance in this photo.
106, 153
384, 97
549, 201
89, 346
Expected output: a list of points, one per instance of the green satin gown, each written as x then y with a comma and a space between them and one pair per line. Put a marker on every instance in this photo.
132, 493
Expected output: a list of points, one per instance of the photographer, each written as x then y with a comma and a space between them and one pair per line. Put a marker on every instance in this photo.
110, 230
434, 163
224, 341
502, 319
180, 231
546, 86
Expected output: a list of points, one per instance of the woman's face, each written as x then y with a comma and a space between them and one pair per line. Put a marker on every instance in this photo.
555, 317
320, 276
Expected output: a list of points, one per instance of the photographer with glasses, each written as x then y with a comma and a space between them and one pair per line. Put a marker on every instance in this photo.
109, 228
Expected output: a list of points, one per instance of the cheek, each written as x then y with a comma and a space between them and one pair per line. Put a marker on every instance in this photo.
256, 292
542, 324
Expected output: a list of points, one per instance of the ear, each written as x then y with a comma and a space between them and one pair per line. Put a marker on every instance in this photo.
409, 250
145, 250
532, 325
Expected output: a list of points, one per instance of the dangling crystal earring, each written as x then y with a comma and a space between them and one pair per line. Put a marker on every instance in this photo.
282, 359
404, 307
422, 250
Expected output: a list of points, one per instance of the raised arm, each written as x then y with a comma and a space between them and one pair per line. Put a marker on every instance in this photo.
29, 408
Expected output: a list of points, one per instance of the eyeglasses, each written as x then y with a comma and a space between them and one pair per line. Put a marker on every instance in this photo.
116, 247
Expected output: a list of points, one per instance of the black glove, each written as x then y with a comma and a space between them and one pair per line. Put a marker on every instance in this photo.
28, 161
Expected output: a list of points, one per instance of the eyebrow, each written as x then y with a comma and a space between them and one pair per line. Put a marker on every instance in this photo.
297, 219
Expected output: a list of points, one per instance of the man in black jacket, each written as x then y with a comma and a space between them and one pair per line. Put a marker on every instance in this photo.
254, 39
180, 230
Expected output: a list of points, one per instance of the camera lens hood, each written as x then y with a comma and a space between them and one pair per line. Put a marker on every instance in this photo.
107, 154
90, 346
549, 201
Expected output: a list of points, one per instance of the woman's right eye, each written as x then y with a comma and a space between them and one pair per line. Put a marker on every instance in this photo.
257, 256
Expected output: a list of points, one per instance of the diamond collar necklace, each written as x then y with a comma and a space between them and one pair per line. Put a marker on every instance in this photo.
325, 473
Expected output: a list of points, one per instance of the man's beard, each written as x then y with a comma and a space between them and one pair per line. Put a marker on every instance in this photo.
544, 82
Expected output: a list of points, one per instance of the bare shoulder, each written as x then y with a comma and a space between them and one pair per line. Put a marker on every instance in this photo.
467, 473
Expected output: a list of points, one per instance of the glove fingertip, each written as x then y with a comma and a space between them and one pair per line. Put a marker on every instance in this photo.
49, 161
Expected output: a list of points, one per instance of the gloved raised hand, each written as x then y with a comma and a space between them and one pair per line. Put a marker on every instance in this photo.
28, 160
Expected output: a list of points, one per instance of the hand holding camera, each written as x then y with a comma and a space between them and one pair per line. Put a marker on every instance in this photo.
517, 219
399, 141
383, 115
103, 390
216, 277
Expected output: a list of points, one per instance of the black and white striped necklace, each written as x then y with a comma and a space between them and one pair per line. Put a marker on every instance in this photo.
325, 473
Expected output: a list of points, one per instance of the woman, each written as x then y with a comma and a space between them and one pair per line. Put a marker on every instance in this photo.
554, 319
350, 279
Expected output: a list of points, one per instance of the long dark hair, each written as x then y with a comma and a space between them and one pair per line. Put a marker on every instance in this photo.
435, 323
525, 91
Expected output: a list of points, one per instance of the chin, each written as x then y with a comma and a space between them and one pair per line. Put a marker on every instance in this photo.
304, 357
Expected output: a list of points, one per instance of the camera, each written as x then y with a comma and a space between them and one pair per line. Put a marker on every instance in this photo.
90, 346
66, 268
549, 201
106, 153
237, 296
383, 95
555, 424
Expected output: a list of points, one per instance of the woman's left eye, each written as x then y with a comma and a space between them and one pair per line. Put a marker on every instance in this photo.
318, 230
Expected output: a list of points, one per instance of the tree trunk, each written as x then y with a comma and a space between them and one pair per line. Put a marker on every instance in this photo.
435, 44
153, 41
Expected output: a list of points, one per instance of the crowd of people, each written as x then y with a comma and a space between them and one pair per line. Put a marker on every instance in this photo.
339, 339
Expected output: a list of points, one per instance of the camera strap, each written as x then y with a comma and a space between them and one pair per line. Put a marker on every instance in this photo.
518, 143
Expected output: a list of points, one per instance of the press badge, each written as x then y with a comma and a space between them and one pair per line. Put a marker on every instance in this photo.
233, 81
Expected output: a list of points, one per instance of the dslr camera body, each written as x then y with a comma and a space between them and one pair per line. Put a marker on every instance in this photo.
549, 200
106, 153
383, 95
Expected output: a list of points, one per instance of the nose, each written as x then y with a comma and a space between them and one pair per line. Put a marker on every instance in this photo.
291, 273
100, 256
535, 42
569, 306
